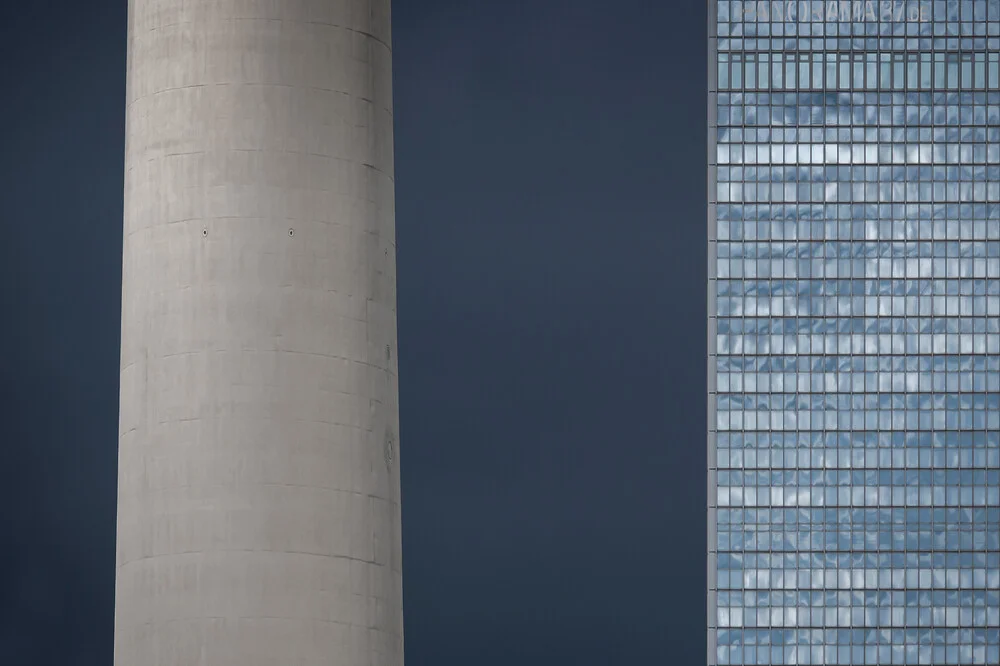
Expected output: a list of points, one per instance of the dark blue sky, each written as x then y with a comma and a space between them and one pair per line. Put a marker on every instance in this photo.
550, 188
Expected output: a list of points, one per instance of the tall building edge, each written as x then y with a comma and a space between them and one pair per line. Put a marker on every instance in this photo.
854, 442
258, 484
712, 87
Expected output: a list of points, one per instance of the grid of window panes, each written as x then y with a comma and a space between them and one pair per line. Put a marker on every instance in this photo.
856, 357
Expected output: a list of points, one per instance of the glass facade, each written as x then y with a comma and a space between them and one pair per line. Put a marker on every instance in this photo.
854, 332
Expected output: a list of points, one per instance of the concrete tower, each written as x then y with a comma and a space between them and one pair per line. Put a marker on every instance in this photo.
258, 492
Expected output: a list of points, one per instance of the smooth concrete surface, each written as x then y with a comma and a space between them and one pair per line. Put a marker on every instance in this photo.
258, 492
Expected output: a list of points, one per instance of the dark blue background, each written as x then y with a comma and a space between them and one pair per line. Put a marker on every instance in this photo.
550, 170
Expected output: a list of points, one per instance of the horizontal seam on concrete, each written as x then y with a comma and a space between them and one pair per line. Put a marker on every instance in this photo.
284, 218
248, 550
303, 353
291, 152
263, 617
223, 351
326, 223
255, 83
378, 628
367, 364
268, 351
282, 287
283, 188
200, 418
251, 484
274, 20
262, 418
133, 429
258, 150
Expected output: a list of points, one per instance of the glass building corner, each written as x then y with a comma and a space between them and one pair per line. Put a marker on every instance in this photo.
854, 333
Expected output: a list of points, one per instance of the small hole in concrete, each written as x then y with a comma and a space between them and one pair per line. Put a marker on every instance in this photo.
204, 232
291, 232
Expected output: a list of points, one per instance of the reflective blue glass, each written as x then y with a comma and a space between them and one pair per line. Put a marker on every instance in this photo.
854, 334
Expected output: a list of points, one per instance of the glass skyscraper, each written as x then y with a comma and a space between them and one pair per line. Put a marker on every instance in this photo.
854, 332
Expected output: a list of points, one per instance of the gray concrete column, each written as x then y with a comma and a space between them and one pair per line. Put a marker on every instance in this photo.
258, 492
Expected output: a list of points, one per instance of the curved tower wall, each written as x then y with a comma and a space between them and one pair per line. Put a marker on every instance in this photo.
258, 498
